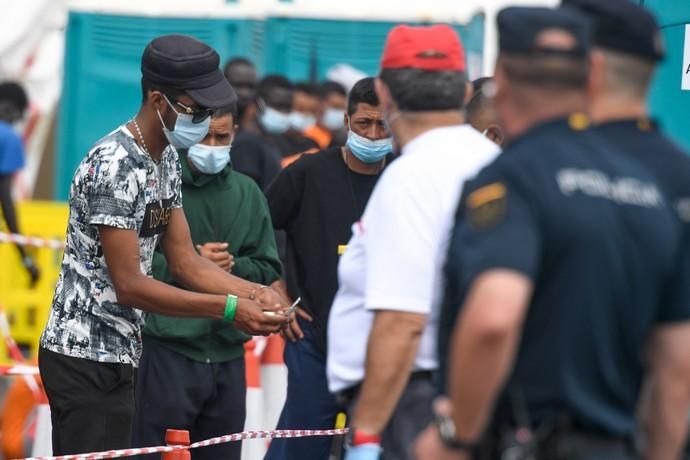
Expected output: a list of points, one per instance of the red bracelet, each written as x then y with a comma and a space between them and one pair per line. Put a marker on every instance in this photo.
359, 438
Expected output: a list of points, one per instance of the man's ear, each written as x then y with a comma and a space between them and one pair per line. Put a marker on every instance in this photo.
155, 99
596, 80
495, 134
469, 91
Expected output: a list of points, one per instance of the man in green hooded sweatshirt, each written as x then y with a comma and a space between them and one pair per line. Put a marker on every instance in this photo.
191, 373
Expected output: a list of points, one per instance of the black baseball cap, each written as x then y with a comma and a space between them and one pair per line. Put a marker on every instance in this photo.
184, 63
520, 30
623, 26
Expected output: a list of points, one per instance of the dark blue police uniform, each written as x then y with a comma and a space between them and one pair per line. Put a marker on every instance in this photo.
642, 140
592, 229
627, 29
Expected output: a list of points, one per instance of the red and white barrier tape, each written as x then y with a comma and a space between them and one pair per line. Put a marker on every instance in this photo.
30, 241
18, 369
208, 442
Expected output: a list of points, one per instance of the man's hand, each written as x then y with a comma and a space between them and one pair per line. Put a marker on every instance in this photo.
30, 266
272, 300
363, 452
218, 254
250, 318
428, 446
293, 332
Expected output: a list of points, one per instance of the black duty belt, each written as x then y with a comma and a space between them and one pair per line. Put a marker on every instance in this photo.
554, 441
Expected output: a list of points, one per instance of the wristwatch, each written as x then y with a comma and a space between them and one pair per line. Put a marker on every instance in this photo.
446, 428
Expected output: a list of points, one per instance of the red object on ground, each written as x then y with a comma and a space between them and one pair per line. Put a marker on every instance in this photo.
177, 438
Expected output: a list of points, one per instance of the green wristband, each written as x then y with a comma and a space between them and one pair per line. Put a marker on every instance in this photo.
230, 308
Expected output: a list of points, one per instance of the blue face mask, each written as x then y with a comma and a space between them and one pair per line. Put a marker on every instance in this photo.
274, 122
209, 159
332, 119
366, 150
185, 133
301, 121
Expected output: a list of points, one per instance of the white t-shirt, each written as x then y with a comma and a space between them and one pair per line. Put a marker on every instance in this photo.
395, 257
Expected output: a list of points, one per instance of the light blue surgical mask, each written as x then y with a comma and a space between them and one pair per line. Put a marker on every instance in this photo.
185, 133
301, 121
209, 159
367, 150
274, 122
332, 119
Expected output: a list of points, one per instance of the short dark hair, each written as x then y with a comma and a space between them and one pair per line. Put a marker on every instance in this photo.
307, 88
479, 98
362, 93
417, 90
273, 81
227, 110
147, 86
329, 87
239, 60
13, 92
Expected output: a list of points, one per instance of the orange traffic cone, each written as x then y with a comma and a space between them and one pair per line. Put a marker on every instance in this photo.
177, 438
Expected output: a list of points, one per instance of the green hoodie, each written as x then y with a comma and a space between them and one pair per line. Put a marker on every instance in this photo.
225, 207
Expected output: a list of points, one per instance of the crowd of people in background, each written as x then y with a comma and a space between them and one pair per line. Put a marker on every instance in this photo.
480, 269
279, 120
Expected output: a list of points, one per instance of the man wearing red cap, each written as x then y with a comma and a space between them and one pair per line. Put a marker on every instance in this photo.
382, 326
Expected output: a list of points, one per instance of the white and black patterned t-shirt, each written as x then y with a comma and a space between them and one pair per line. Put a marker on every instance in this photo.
117, 185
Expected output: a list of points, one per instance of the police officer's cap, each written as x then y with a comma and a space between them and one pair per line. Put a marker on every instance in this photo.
621, 25
190, 65
533, 31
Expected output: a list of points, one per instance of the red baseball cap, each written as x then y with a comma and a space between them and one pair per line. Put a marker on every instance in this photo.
432, 48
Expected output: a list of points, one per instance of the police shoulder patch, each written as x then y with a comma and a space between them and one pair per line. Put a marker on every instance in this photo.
486, 206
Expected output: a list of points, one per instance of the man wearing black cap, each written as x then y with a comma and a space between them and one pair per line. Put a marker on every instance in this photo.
627, 46
565, 263
125, 199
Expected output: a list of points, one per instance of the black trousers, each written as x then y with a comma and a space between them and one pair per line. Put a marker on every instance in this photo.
176, 392
91, 403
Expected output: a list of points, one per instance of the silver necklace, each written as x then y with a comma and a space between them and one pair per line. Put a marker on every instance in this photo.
141, 137
158, 166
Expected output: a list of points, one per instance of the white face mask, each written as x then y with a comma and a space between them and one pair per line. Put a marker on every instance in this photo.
209, 159
274, 122
332, 119
185, 132
301, 121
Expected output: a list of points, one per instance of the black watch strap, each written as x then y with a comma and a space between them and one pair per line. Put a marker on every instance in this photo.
446, 431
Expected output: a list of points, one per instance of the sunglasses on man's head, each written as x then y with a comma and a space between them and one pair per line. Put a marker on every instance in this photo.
198, 115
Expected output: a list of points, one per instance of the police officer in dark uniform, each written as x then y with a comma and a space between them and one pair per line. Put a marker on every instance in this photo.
565, 265
627, 46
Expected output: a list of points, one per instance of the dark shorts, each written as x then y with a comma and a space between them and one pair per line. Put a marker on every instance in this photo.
91, 403
411, 415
